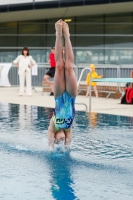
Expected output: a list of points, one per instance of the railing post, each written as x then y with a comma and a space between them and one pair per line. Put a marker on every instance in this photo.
119, 76
90, 91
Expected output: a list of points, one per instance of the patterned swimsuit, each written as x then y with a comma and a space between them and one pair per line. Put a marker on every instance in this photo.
64, 111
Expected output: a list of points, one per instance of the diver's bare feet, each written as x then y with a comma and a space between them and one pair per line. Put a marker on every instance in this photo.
58, 28
66, 30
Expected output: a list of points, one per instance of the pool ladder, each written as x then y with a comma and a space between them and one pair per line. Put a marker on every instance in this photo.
84, 105
86, 68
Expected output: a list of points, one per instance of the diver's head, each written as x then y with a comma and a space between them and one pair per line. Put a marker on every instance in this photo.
60, 135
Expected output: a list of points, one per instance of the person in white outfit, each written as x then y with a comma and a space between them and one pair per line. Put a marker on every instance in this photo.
24, 63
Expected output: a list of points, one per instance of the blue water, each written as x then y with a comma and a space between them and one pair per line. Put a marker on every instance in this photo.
98, 166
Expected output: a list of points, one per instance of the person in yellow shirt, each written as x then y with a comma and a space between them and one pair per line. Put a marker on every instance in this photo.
94, 75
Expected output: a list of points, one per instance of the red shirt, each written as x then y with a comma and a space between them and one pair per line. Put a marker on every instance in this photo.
52, 60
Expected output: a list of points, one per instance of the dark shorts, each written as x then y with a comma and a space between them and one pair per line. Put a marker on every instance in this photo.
51, 72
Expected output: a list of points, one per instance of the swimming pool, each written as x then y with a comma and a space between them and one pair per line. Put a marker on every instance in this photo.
99, 165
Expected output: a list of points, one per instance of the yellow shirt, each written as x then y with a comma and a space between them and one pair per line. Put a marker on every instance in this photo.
94, 75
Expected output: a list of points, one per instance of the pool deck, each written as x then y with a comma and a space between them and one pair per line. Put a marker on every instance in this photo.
100, 105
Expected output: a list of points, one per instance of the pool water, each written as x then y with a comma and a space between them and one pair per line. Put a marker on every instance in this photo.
98, 166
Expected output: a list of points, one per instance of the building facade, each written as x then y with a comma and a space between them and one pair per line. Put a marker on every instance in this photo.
99, 33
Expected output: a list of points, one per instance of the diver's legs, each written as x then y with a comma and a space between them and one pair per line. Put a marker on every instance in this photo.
59, 79
70, 78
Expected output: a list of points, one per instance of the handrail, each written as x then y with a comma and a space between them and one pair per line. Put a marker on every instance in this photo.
84, 105
86, 68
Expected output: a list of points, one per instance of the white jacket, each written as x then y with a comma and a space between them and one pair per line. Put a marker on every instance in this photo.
24, 63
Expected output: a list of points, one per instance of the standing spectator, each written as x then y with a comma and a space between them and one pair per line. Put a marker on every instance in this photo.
24, 63
94, 75
51, 71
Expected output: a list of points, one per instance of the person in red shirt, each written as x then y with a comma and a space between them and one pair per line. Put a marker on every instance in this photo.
51, 71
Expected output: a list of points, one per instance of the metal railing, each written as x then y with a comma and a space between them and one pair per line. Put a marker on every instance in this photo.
124, 72
82, 72
108, 71
36, 79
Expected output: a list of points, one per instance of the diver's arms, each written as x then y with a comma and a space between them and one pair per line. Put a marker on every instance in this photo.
51, 134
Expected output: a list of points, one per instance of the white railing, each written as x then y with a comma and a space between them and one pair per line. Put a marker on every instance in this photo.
82, 72
108, 71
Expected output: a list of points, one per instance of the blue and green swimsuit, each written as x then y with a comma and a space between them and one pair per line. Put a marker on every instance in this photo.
64, 111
